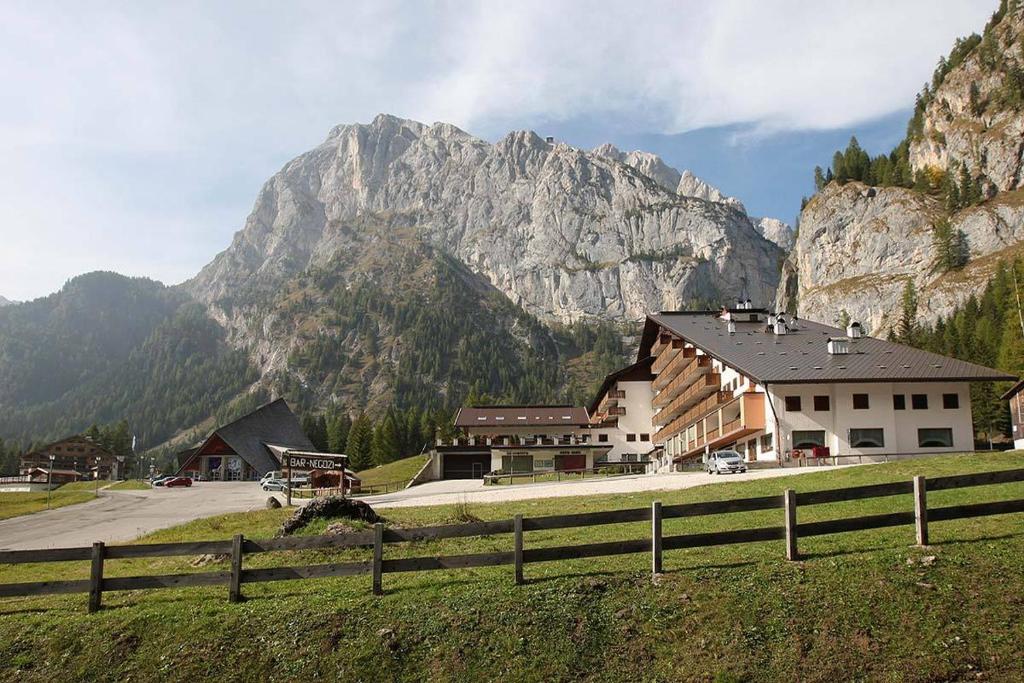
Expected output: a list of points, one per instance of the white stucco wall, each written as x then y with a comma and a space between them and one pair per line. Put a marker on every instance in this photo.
899, 426
637, 420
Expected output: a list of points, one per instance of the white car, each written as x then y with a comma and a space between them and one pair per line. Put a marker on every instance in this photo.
721, 462
273, 484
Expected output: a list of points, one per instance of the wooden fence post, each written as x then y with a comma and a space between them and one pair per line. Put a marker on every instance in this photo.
790, 506
378, 558
235, 586
921, 510
517, 527
656, 537
96, 577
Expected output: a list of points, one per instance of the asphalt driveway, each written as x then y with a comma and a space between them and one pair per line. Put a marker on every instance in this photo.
118, 516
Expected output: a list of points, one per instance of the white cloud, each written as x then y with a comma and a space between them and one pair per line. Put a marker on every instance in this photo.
135, 136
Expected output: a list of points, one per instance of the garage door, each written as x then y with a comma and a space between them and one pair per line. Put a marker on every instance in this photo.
466, 465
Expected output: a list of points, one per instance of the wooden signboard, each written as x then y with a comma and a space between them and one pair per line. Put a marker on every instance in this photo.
312, 461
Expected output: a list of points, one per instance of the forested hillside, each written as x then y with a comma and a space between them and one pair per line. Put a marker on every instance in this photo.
987, 329
107, 348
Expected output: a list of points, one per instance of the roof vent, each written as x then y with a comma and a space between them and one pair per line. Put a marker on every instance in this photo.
838, 346
854, 330
780, 327
732, 327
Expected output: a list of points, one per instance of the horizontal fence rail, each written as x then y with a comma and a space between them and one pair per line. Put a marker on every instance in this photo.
378, 536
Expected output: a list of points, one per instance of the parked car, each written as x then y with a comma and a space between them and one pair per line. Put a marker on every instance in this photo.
721, 462
298, 478
161, 480
273, 484
174, 482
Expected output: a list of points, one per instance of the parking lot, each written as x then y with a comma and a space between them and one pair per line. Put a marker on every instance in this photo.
118, 516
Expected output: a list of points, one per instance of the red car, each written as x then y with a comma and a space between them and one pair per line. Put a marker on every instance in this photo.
178, 481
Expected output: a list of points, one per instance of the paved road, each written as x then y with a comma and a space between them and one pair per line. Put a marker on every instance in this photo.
473, 490
118, 516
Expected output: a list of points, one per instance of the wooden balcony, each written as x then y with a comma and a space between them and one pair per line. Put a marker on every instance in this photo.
666, 355
693, 395
709, 425
673, 386
610, 399
677, 364
663, 341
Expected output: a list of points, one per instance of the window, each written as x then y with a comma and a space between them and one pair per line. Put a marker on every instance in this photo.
808, 438
792, 404
899, 402
951, 401
645, 437
517, 463
630, 437
860, 402
873, 437
821, 403
603, 438
766, 443
935, 437
919, 401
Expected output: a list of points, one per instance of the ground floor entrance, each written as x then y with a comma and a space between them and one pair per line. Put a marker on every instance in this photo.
466, 465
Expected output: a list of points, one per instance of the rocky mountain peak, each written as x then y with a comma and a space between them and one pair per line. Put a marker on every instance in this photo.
690, 185
6, 302
972, 115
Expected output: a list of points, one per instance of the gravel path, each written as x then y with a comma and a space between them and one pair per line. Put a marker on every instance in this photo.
473, 491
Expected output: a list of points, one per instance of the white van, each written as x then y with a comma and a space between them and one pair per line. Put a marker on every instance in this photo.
298, 478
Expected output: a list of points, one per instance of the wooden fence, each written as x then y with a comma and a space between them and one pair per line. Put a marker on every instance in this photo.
655, 543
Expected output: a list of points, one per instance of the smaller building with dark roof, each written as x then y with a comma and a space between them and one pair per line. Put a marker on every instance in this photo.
78, 454
249, 447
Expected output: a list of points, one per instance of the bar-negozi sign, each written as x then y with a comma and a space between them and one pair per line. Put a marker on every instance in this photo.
314, 462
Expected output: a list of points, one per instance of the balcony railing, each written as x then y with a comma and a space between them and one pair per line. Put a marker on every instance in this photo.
689, 398
666, 355
698, 366
673, 368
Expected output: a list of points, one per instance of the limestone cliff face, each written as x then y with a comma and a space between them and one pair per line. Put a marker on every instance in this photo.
983, 129
857, 247
564, 233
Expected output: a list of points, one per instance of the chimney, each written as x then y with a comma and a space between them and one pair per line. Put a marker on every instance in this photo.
732, 327
838, 346
550, 139
747, 304
780, 327
854, 330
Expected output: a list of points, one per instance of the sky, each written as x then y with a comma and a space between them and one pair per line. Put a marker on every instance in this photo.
135, 136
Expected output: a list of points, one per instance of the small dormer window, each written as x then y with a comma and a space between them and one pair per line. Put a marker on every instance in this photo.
838, 346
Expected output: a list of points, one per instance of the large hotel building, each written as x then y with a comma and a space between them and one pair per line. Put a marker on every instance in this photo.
771, 387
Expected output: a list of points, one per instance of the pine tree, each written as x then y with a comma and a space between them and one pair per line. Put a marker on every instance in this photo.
360, 444
907, 329
819, 178
338, 432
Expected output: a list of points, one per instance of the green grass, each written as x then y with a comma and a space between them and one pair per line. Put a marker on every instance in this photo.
130, 485
858, 606
398, 471
15, 504
83, 485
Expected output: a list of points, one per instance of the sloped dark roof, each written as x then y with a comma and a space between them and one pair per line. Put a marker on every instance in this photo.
639, 371
802, 357
1014, 390
521, 416
274, 423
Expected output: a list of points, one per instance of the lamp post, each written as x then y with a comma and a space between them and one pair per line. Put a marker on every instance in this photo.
49, 480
